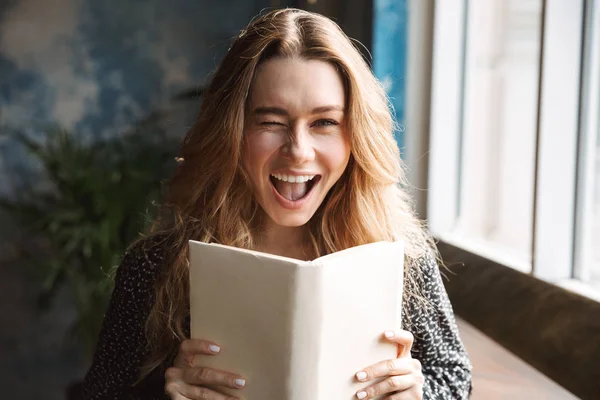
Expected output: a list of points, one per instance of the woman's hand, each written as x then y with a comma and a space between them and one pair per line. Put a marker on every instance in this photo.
403, 376
187, 379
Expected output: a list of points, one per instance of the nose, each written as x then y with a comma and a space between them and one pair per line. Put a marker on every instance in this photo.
299, 147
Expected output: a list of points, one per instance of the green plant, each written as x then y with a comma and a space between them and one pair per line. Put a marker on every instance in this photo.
83, 203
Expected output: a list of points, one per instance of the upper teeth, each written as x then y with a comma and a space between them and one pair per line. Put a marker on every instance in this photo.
293, 178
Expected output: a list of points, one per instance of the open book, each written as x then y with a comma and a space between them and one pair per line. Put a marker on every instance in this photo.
296, 330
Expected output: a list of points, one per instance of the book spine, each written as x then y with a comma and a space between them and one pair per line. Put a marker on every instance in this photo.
307, 323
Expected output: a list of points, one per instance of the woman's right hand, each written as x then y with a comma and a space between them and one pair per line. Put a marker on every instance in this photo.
187, 379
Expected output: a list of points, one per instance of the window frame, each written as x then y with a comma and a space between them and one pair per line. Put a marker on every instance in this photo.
558, 130
447, 91
562, 134
590, 128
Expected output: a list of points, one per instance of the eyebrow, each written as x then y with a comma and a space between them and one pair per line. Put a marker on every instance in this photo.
283, 112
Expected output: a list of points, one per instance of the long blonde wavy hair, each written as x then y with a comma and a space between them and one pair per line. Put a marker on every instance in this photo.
211, 200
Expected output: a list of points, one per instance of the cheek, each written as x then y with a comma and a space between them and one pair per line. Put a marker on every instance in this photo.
336, 155
258, 147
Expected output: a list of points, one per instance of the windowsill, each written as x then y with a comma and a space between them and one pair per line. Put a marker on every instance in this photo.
488, 250
501, 256
532, 318
582, 288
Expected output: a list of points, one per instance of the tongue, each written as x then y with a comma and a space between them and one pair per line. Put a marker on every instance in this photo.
291, 191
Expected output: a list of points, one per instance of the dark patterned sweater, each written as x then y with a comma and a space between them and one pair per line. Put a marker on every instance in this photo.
121, 347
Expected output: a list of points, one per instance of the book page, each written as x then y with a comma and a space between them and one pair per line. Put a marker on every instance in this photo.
362, 298
245, 302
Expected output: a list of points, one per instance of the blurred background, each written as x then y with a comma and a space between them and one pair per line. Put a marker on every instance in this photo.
498, 104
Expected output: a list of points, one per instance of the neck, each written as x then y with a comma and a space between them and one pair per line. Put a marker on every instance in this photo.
284, 241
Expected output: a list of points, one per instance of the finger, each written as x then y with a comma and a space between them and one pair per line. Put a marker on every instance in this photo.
173, 382
402, 338
177, 397
190, 348
397, 366
203, 393
416, 392
172, 376
209, 376
389, 385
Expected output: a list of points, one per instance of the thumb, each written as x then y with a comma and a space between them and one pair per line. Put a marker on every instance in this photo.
403, 338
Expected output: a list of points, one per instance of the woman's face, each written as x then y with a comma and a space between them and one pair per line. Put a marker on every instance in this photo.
296, 145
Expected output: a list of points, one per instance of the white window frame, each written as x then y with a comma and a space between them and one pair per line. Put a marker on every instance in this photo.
554, 250
447, 83
590, 126
558, 129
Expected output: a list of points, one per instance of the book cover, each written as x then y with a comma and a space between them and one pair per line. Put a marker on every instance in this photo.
296, 330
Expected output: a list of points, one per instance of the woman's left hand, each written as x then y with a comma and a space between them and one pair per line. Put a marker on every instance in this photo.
403, 376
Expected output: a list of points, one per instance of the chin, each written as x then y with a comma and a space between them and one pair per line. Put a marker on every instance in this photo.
290, 221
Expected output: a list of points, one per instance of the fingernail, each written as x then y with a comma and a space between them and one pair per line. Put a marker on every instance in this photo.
214, 348
361, 395
240, 382
389, 334
361, 376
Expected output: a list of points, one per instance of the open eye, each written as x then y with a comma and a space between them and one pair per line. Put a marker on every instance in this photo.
325, 123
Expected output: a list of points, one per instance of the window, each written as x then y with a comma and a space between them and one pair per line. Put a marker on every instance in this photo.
595, 221
497, 159
587, 249
484, 125
514, 170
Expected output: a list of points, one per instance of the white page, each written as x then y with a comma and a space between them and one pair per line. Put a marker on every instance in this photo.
368, 291
248, 315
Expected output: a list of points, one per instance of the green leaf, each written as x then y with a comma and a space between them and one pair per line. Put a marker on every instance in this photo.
84, 203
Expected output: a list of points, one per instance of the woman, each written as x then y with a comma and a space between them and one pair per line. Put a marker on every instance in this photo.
292, 154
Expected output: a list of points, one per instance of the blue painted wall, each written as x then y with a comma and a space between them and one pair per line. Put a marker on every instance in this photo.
390, 30
95, 66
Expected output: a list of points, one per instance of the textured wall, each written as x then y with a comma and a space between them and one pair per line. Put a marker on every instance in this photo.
93, 67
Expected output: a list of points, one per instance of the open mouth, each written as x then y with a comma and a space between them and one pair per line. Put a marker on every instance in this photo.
294, 188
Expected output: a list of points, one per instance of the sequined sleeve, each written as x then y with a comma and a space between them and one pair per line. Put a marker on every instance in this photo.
437, 344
